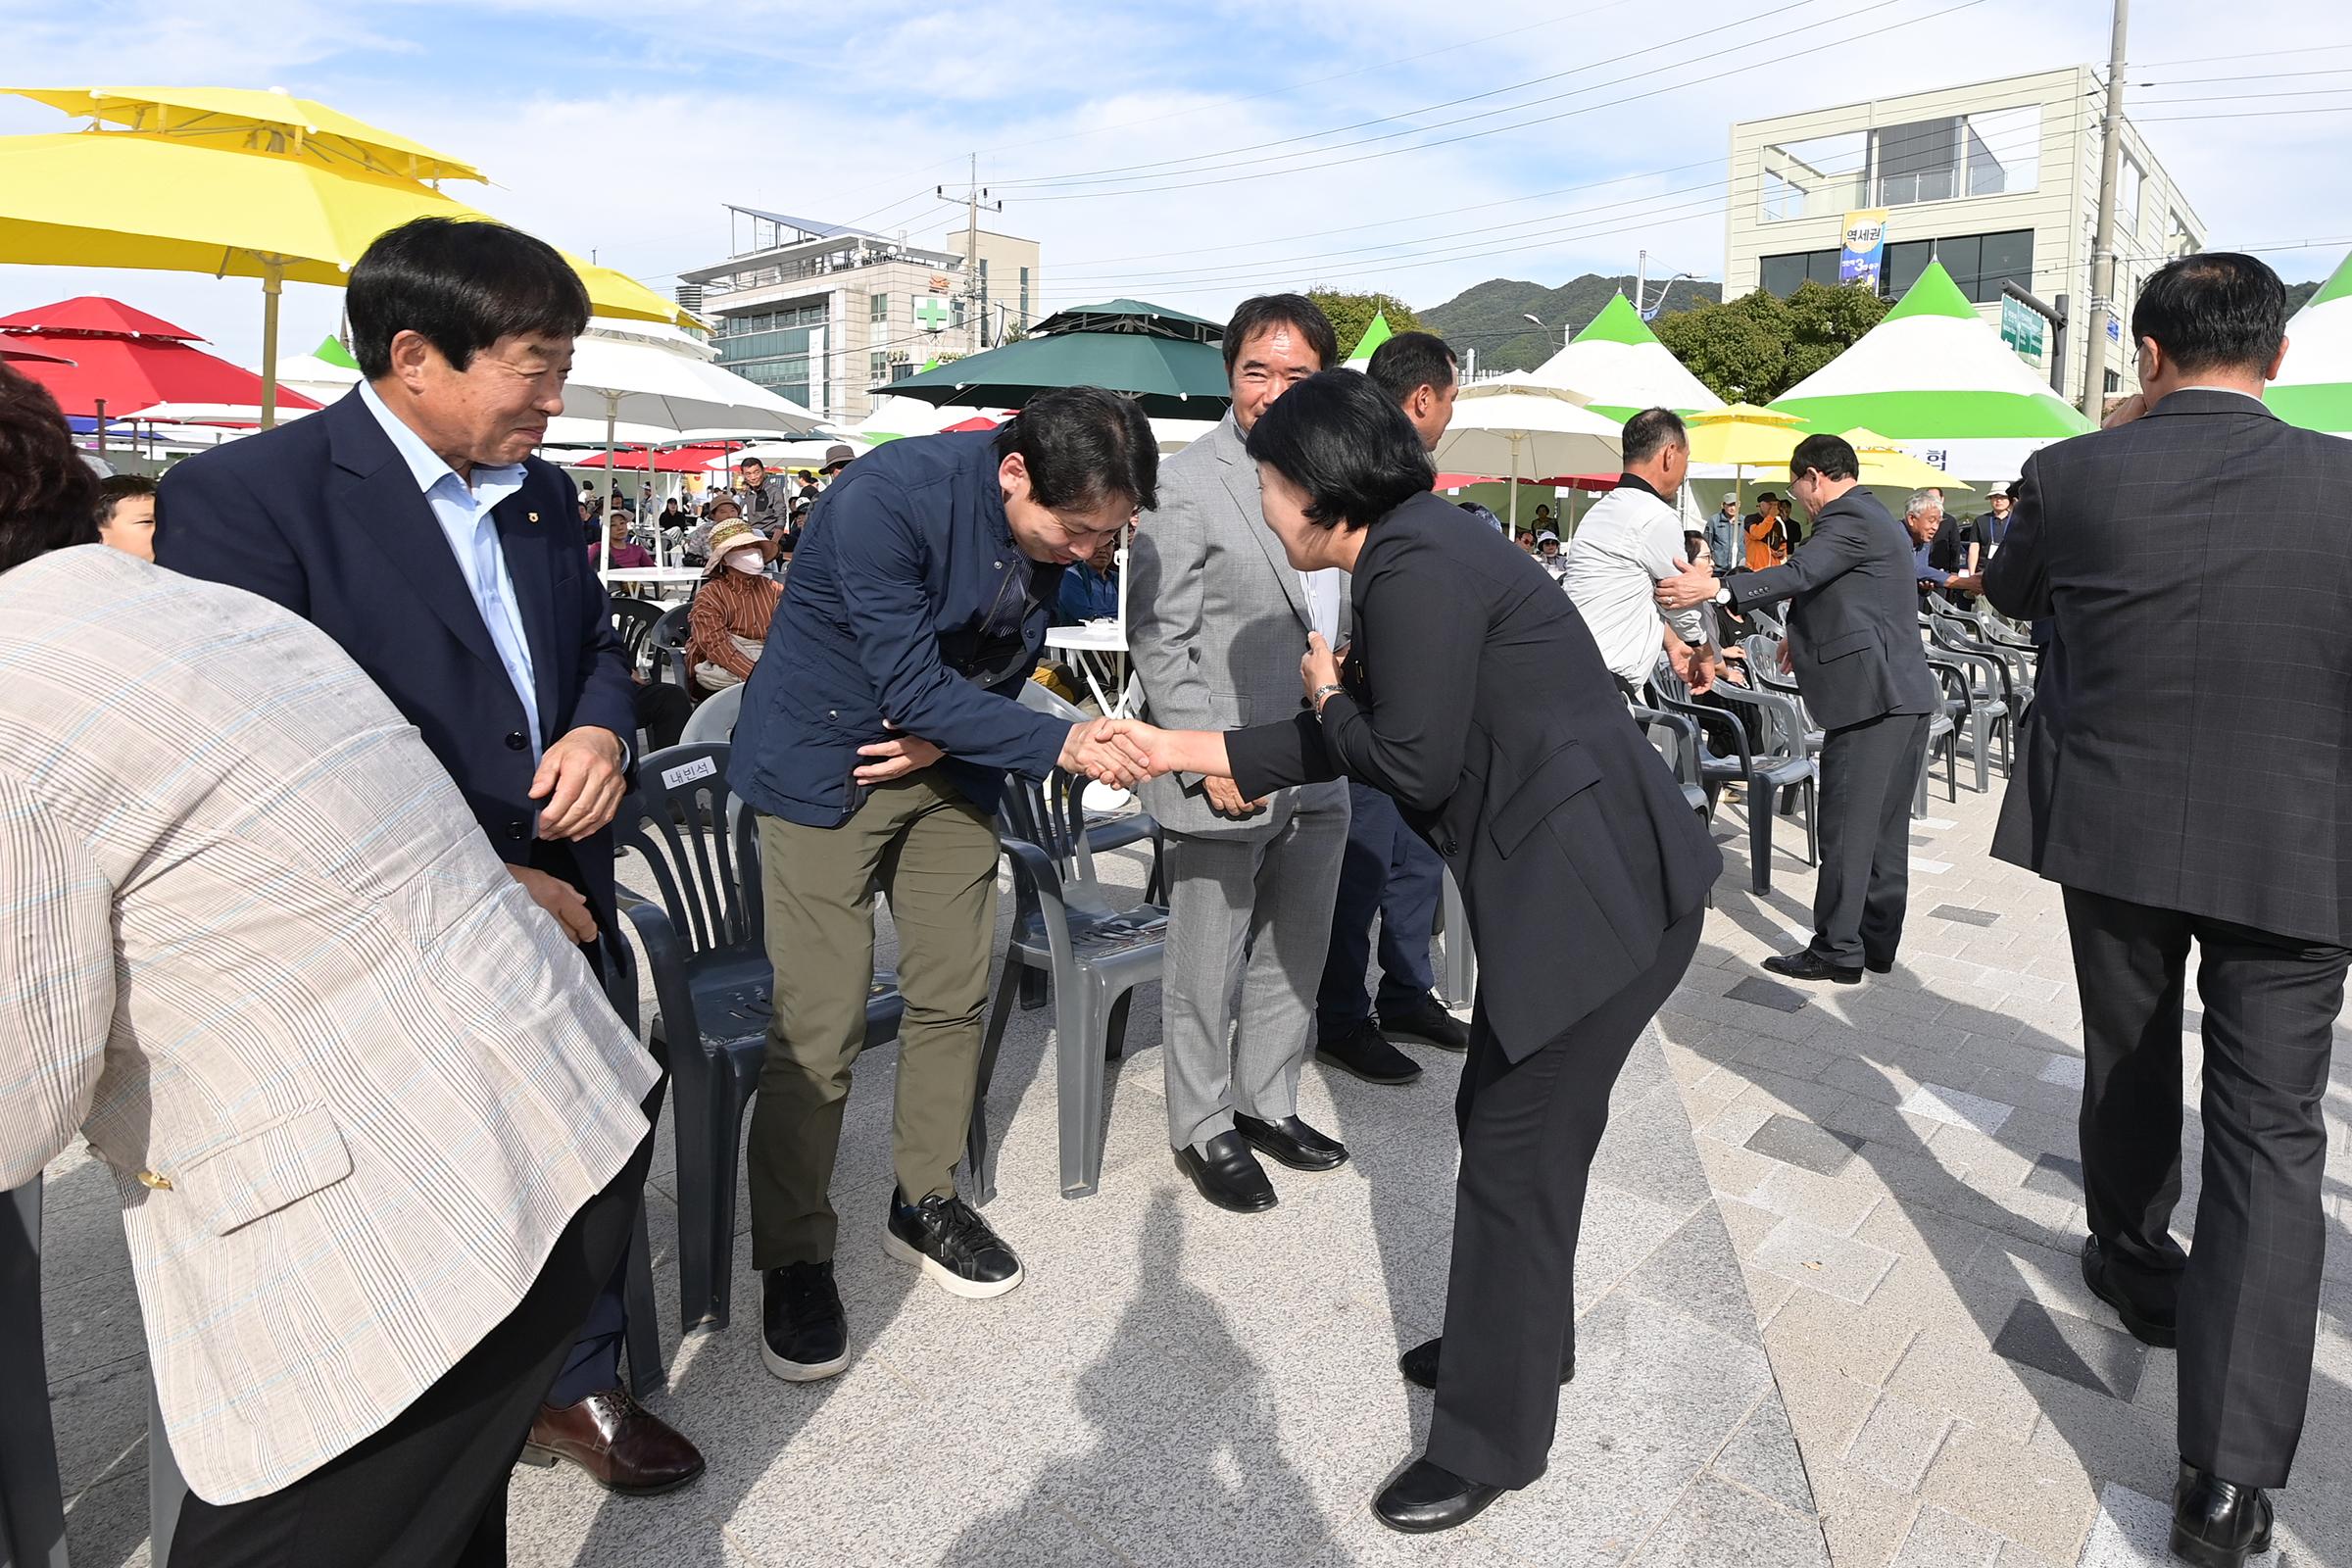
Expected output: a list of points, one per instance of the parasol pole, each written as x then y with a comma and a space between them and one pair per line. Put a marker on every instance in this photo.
273, 282
604, 554
1514, 487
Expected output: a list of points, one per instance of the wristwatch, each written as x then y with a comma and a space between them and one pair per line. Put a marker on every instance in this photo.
1723, 593
1324, 694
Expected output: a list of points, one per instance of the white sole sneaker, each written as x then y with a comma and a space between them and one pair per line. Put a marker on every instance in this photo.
947, 1278
802, 1371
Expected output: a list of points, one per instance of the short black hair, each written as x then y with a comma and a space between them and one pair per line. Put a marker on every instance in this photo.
1830, 456
1652, 431
119, 487
1346, 444
2214, 311
1295, 310
461, 285
1084, 447
1411, 360
750, 462
48, 495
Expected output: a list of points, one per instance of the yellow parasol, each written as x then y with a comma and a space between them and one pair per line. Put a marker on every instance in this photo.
1740, 435
1884, 462
247, 119
134, 199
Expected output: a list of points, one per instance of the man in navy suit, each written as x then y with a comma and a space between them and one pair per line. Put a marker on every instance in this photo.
410, 523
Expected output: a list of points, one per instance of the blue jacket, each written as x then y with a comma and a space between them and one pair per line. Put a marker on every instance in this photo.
1087, 595
324, 517
908, 601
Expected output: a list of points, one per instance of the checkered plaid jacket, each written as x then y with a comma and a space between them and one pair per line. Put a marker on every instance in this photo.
351, 1080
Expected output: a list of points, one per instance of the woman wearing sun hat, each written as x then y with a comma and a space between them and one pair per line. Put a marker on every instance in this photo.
728, 625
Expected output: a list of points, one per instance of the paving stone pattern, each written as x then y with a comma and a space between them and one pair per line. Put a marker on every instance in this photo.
1829, 1311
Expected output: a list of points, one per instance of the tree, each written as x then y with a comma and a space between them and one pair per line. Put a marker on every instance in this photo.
1351, 314
1756, 347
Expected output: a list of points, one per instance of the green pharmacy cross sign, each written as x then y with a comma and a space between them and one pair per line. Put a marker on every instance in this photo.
932, 314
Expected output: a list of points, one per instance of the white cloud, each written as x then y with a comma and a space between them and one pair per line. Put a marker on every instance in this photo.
623, 130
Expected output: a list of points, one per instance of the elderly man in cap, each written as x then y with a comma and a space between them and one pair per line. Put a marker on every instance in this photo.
727, 628
1723, 545
763, 504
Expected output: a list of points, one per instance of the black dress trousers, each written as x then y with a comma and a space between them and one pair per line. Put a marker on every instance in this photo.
429, 1491
2247, 1293
1868, 772
1529, 1133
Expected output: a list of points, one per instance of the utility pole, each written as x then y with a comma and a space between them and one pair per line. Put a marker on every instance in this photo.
976, 310
2102, 257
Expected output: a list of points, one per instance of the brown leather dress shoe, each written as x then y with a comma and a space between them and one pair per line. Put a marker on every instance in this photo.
625, 1446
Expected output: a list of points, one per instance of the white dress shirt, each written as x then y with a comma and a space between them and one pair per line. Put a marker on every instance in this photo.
463, 513
1322, 590
1625, 547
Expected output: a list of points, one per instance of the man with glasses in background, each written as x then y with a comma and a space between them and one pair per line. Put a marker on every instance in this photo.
875, 737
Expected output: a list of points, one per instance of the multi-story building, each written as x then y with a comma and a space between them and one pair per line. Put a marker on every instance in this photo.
1998, 180
823, 314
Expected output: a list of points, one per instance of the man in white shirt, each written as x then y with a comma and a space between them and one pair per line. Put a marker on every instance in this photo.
1630, 542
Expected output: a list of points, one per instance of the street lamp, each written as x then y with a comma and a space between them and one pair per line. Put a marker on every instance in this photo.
1647, 312
1530, 315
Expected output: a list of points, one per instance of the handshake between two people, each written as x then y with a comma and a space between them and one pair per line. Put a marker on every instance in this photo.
1119, 752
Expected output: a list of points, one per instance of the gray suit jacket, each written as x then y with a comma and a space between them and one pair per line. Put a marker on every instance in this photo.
1216, 621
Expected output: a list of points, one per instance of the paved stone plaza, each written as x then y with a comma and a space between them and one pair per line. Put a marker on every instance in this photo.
1828, 1313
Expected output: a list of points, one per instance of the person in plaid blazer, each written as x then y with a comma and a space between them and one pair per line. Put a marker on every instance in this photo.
377, 1136
2186, 775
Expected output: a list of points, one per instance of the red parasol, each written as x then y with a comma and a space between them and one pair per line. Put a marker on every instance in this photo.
122, 356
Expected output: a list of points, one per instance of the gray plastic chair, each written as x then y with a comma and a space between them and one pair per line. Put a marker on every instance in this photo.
665, 649
706, 952
32, 1509
1093, 954
713, 720
1784, 765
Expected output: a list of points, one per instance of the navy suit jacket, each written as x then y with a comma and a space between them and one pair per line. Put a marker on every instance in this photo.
907, 603
1853, 614
325, 516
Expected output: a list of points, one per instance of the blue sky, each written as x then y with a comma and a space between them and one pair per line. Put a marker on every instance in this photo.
622, 129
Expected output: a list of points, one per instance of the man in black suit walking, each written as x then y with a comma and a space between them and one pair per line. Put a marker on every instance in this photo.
2185, 779
1854, 639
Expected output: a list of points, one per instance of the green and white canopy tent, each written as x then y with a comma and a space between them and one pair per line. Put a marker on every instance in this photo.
1375, 335
1936, 378
2313, 388
1619, 364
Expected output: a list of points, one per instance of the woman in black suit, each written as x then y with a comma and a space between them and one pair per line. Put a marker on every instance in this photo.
1475, 696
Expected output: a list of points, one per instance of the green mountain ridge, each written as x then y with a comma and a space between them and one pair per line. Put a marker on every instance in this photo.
1487, 316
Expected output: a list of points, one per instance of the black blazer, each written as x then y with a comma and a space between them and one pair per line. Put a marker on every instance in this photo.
1853, 614
1478, 699
2189, 745
324, 517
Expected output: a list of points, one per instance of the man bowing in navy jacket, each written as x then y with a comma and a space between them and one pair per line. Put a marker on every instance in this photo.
411, 523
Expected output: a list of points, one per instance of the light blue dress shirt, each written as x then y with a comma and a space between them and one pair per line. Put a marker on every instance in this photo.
463, 513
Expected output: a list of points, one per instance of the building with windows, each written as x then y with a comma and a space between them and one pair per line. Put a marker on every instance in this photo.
1998, 180
824, 313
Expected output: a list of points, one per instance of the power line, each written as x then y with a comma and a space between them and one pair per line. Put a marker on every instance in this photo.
1494, 130
1128, 171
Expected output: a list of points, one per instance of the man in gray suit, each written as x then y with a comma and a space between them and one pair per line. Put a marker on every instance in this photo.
1217, 620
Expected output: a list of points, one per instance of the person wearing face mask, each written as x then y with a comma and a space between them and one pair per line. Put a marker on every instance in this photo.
728, 625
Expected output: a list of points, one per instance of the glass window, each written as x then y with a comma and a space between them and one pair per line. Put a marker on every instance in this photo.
1781, 275
877, 308
1917, 162
2180, 241
1905, 261
877, 365
2004, 151
1821, 267
2008, 254
1024, 296
1820, 176
2126, 196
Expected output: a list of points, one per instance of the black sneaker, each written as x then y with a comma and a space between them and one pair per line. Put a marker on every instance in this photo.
1366, 1052
1425, 1019
954, 1246
804, 1334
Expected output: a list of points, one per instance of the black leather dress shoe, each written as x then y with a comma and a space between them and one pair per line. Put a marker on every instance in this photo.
1810, 965
2148, 1325
1430, 1497
1425, 1019
1877, 966
1366, 1052
1291, 1142
1228, 1174
1420, 1364
2216, 1523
